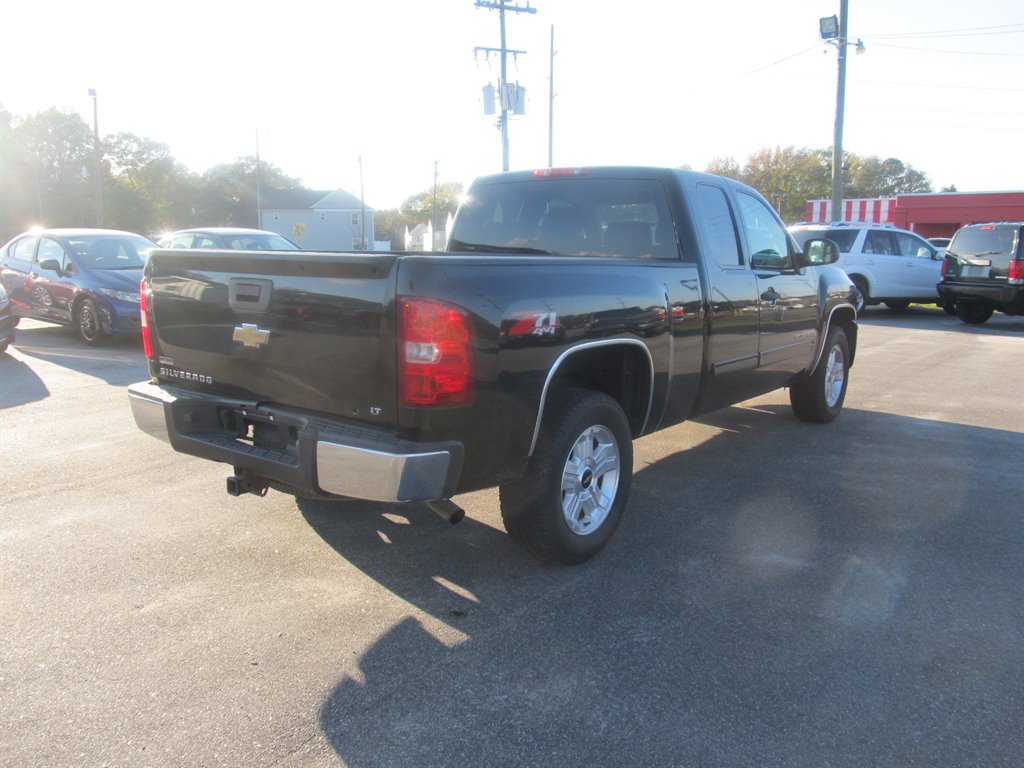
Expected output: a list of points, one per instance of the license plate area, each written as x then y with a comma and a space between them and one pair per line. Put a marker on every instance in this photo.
975, 270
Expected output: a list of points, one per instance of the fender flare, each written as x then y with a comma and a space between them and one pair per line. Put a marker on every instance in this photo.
553, 372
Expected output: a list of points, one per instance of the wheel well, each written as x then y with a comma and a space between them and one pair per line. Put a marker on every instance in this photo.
846, 318
621, 371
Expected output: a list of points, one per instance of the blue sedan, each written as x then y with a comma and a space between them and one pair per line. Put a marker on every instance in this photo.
87, 279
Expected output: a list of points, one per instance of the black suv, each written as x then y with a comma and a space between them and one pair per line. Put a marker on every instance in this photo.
984, 271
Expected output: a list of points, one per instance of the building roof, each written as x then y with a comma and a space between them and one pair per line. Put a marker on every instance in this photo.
309, 199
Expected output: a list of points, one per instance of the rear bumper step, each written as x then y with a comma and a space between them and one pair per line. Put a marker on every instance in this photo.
306, 451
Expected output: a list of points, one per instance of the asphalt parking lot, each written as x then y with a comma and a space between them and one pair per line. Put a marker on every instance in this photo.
779, 594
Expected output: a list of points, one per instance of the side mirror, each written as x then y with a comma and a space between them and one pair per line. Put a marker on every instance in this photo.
820, 251
51, 265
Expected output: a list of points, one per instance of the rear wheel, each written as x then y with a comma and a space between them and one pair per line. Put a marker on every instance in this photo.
819, 398
88, 325
897, 306
949, 306
569, 503
973, 312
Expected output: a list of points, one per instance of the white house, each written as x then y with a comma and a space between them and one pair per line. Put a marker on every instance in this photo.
318, 220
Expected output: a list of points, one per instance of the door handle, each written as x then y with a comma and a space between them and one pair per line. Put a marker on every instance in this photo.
771, 296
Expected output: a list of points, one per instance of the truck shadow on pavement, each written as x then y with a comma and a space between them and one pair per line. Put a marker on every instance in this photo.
119, 362
777, 593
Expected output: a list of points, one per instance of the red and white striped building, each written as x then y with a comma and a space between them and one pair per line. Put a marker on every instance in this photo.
937, 214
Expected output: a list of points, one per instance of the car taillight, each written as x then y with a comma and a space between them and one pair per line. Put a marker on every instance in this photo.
436, 364
147, 340
1016, 273
944, 270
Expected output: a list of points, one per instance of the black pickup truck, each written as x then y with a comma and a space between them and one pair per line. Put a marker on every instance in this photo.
573, 311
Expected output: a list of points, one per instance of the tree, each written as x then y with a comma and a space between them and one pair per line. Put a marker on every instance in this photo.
873, 177
227, 193
789, 177
51, 164
150, 191
419, 208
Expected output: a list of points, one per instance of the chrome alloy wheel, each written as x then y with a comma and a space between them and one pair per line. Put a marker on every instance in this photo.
589, 480
835, 375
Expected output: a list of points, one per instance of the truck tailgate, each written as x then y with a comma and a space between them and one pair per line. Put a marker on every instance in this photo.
306, 330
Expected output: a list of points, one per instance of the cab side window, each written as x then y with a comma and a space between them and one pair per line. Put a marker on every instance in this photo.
719, 226
205, 243
51, 249
766, 237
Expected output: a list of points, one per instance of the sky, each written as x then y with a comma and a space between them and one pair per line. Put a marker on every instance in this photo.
398, 83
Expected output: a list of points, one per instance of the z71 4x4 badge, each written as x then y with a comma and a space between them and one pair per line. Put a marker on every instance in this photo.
539, 324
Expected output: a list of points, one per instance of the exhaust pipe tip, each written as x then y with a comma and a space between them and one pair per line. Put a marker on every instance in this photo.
448, 510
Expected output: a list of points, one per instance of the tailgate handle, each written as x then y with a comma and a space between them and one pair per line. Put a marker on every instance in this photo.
248, 295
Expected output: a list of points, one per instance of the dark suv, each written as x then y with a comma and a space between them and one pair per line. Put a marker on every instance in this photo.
984, 271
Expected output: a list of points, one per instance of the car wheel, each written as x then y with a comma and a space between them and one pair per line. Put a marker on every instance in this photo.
972, 312
949, 307
88, 325
898, 306
569, 503
819, 398
41, 297
861, 299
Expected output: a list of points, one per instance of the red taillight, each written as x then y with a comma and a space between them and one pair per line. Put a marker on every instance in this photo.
944, 270
435, 354
147, 341
545, 173
1016, 272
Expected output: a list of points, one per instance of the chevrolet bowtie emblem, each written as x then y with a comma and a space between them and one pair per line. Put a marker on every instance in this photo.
250, 335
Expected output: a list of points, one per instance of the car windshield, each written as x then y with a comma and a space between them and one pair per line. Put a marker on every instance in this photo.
259, 243
111, 251
985, 241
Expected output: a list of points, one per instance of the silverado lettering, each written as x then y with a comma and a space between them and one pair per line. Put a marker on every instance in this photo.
574, 310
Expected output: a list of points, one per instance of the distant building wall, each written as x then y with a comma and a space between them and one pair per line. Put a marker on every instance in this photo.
937, 214
321, 230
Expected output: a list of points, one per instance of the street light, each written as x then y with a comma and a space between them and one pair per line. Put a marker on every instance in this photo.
834, 30
97, 158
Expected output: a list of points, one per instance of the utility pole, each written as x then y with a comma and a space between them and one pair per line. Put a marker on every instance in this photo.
501, 6
98, 157
837, 141
259, 185
551, 103
433, 214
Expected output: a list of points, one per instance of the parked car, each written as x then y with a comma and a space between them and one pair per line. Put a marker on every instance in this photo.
228, 239
888, 265
983, 271
7, 321
84, 278
940, 242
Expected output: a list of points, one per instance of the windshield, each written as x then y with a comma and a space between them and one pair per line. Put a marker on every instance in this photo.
259, 243
568, 217
986, 240
112, 251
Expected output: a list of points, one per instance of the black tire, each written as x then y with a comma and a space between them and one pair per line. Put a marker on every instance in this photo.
861, 300
972, 312
898, 306
819, 398
88, 325
949, 307
569, 503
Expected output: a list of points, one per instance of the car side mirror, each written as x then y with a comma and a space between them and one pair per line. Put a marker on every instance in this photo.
51, 265
819, 251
